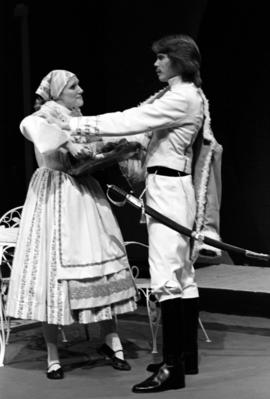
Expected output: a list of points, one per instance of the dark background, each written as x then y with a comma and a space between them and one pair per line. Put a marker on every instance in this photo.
108, 45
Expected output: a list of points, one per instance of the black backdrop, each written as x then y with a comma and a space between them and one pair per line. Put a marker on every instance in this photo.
108, 45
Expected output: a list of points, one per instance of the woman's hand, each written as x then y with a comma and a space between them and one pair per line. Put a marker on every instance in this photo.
79, 151
64, 125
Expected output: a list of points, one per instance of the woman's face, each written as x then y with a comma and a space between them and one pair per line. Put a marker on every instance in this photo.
164, 67
71, 96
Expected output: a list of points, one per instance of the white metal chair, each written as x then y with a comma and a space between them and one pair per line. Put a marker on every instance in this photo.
153, 311
143, 287
9, 227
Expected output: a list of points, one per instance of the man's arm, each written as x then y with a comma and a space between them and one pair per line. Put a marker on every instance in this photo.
164, 112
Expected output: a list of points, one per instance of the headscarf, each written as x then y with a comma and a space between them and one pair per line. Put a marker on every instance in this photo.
50, 89
53, 84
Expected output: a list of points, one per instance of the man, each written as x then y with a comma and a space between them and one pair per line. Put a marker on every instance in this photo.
174, 116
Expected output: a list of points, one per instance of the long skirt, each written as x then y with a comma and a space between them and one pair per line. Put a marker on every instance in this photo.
70, 262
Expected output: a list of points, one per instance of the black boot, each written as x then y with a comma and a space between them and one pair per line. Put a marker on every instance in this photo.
191, 318
171, 375
167, 377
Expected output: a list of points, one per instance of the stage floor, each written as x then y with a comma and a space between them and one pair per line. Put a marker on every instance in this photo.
234, 365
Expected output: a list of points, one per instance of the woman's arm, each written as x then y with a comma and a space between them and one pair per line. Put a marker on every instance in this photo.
46, 137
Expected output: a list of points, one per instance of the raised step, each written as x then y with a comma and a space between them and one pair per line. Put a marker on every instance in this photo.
235, 289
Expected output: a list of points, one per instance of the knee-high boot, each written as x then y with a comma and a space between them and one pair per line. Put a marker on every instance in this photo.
191, 317
172, 331
190, 336
171, 374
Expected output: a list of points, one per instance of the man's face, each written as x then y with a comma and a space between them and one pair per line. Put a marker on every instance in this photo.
71, 96
164, 67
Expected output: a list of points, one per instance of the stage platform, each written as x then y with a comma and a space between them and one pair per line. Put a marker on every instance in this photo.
235, 289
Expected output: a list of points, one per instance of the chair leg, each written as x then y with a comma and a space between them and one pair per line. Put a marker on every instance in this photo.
86, 332
63, 335
154, 316
207, 339
2, 333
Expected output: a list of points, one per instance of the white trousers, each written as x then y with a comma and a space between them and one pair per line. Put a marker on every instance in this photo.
172, 273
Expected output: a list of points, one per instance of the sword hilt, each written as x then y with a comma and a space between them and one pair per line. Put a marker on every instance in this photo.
119, 191
137, 203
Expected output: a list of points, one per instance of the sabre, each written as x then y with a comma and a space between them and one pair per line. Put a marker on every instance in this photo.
138, 203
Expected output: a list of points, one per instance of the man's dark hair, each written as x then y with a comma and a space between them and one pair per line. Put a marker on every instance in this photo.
184, 54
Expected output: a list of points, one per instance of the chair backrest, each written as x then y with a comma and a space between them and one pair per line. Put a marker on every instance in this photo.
11, 218
9, 226
135, 268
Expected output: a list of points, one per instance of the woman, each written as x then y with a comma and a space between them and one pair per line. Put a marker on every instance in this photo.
70, 262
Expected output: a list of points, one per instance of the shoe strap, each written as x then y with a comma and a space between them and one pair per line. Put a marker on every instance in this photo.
119, 350
54, 364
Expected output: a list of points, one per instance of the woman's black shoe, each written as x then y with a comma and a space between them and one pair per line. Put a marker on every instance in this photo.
117, 363
55, 374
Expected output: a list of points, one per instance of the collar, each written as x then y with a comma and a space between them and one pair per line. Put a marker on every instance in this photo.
177, 80
59, 106
62, 109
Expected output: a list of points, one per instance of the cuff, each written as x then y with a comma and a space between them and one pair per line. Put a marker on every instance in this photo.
74, 124
84, 125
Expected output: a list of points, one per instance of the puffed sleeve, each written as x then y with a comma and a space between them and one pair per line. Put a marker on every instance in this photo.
46, 137
164, 112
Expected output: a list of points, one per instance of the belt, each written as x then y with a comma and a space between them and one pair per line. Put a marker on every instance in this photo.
162, 170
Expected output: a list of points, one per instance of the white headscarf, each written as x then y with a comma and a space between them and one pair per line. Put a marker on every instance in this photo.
53, 84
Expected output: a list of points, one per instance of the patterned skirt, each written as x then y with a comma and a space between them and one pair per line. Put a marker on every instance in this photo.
70, 262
